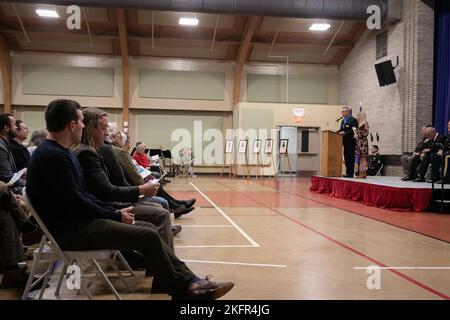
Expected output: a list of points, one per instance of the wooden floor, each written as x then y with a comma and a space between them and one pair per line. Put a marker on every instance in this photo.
277, 240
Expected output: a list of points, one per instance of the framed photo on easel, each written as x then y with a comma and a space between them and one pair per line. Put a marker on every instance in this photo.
256, 147
284, 146
229, 146
242, 146
269, 146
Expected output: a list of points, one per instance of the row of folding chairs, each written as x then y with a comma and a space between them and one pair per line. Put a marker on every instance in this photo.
51, 253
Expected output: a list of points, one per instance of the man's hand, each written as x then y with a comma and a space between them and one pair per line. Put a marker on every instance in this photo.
426, 150
127, 215
21, 201
149, 189
342, 133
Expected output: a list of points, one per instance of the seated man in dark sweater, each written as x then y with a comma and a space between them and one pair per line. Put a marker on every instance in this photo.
80, 221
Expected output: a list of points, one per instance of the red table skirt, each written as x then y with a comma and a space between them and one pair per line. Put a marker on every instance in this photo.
398, 199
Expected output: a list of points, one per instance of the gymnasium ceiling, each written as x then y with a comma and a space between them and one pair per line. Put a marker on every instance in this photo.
158, 34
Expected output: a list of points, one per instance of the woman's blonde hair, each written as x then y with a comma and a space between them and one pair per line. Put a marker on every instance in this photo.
361, 116
90, 121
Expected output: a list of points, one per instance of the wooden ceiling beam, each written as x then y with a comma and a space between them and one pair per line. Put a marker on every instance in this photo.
357, 31
6, 74
253, 24
124, 53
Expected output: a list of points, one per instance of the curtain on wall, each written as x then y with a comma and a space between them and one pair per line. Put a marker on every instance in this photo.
442, 71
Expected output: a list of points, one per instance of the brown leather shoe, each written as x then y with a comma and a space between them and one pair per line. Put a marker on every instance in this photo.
181, 211
32, 237
176, 229
206, 289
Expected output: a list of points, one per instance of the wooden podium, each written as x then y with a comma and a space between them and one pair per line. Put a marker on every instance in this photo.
331, 164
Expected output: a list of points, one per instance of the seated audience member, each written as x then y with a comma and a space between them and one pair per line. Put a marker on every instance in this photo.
140, 156
428, 154
143, 160
13, 222
375, 161
132, 177
80, 221
7, 164
36, 138
411, 162
18, 150
116, 174
446, 168
98, 179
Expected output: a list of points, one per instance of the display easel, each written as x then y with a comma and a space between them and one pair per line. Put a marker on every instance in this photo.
242, 154
270, 164
256, 152
258, 165
244, 165
285, 157
228, 152
227, 165
268, 151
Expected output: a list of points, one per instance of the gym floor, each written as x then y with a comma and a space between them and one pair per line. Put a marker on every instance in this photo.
275, 239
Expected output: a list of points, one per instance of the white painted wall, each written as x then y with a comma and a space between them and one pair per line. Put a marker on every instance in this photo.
18, 59
180, 65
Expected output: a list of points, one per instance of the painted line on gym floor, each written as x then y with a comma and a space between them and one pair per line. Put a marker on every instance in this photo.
402, 268
238, 263
219, 246
207, 226
246, 236
359, 253
346, 210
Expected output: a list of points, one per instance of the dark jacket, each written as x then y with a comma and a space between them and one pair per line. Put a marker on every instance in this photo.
56, 188
347, 128
439, 142
8, 167
375, 161
116, 173
20, 154
424, 143
98, 178
7, 164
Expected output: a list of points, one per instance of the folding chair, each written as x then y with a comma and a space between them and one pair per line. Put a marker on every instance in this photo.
49, 250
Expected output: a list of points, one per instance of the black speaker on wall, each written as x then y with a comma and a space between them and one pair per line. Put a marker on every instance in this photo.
385, 73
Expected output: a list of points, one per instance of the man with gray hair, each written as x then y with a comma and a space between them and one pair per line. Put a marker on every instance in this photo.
408, 160
432, 155
347, 130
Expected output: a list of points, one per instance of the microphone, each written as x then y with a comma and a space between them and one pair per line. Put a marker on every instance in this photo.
339, 119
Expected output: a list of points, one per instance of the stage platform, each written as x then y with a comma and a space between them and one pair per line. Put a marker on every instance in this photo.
383, 192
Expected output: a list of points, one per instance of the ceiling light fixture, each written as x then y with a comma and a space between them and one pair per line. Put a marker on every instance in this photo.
188, 21
320, 27
47, 13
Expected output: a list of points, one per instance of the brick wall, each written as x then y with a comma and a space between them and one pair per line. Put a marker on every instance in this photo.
395, 112
358, 82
